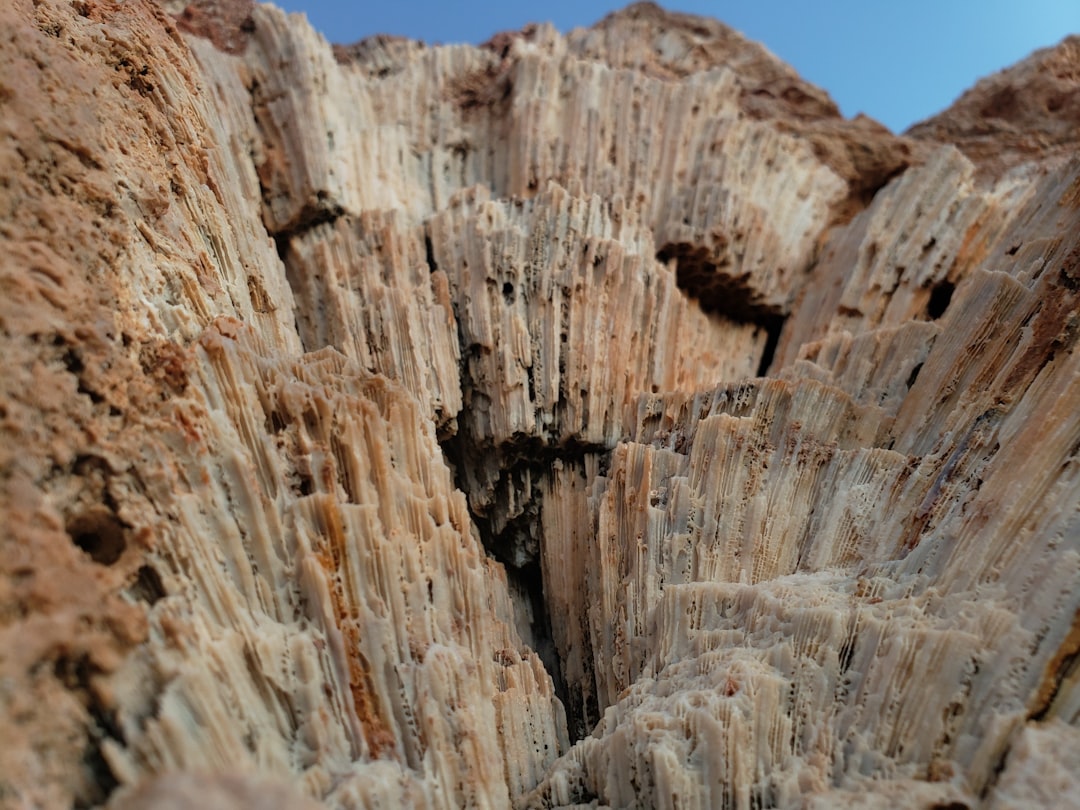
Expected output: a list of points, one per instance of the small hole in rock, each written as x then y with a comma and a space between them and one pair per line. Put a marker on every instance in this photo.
73, 362
914, 375
940, 297
99, 533
307, 486
148, 585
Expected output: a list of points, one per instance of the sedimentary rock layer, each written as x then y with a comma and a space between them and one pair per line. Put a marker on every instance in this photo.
593, 419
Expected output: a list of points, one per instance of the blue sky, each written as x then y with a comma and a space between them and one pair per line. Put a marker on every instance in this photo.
898, 61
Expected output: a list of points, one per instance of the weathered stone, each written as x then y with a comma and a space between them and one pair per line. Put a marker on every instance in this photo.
575, 420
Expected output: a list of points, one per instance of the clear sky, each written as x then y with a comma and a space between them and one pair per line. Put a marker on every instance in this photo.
898, 61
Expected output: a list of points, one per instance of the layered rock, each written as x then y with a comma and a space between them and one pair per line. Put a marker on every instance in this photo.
587, 419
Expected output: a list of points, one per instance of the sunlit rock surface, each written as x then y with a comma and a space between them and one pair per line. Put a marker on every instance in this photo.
574, 420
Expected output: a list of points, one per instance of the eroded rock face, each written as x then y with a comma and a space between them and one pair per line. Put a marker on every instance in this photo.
593, 420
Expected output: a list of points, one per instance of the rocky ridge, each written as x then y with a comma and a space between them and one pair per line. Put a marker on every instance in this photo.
576, 420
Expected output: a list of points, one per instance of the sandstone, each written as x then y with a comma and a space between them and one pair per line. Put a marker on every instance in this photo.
588, 419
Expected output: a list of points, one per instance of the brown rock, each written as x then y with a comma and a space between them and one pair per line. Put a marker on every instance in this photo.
646, 38
585, 420
226, 23
1027, 112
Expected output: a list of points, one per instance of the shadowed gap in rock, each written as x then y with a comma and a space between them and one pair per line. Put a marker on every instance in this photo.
717, 292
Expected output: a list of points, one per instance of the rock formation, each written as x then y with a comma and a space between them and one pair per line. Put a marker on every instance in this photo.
585, 420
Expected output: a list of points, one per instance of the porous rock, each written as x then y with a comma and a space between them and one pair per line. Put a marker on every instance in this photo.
593, 419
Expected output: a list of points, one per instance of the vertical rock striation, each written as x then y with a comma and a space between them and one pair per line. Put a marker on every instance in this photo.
575, 420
